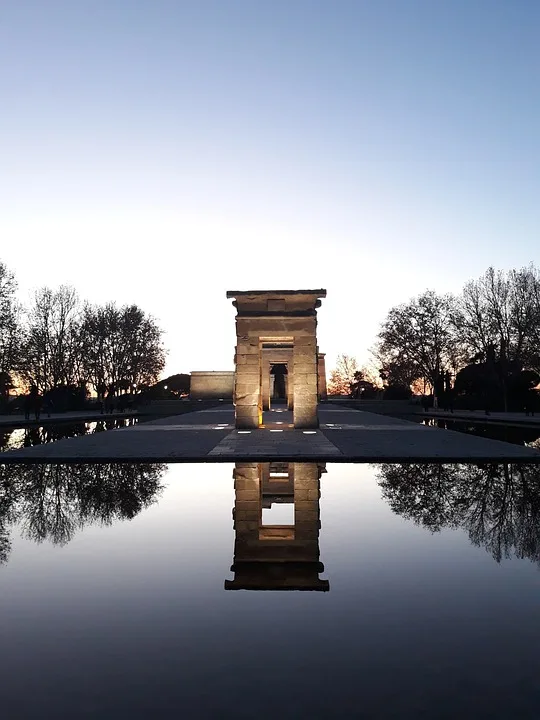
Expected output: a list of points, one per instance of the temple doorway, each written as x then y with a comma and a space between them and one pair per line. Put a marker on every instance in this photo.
279, 382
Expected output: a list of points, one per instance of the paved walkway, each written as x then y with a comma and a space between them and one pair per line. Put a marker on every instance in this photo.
345, 435
513, 419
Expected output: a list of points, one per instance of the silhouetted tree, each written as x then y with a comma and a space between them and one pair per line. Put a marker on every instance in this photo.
51, 350
498, 315
57, 345
500, 310
121, 347
6, 384
10, 329
365, 385
173, 386
419, 335
179, 384
398, 372
482, 386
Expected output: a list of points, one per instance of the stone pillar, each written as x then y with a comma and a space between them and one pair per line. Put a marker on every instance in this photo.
265, 382
248, 379
305, 379
321, 367
290, 384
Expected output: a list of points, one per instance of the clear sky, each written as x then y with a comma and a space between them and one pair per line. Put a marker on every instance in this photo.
162, 152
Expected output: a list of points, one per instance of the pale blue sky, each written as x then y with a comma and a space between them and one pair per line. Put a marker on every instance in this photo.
163, 152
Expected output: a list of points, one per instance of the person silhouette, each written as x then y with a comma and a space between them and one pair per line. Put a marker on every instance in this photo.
35, 401
109, 400
32, 403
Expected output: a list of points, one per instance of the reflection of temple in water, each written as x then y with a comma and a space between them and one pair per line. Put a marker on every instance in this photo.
277, 556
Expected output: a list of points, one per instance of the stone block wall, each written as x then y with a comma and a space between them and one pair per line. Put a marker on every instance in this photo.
212, 384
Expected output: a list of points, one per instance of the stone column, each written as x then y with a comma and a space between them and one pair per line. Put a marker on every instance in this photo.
265, 382
290, 383
305, 380
321, 367
248, 379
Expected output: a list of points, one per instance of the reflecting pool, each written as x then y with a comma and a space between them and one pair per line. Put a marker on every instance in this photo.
516, 434
268, 590
17, 438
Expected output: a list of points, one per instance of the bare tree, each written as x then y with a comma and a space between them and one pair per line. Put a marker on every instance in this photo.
498, 321
10, 327
533, 349
51, 352
500, 310
121, 347
144, 352
97, 344
419, 336
343, 376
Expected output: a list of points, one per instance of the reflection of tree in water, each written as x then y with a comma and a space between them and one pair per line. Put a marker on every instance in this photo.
52, 502
17, 438
497, 504
517, 435
8, 494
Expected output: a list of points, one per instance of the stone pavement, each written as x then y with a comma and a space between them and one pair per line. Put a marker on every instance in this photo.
345, 435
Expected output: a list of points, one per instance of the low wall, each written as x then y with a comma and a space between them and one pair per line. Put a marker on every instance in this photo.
394, 408
167, 408
212, 384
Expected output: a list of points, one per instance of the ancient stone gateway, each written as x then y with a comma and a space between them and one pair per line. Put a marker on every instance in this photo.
276, 334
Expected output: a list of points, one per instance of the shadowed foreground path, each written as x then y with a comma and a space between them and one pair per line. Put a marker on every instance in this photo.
345, 435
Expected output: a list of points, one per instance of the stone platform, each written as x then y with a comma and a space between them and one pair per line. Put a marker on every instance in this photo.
345, 435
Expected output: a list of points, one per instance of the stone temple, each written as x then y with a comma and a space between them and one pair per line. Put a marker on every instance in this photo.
277, 355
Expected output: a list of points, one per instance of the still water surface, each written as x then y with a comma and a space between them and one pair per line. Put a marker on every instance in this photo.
120, 591
515, 434
18, 438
